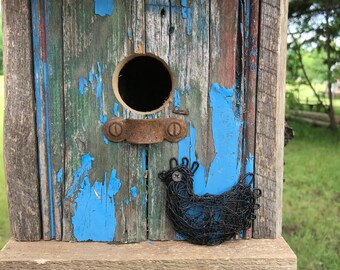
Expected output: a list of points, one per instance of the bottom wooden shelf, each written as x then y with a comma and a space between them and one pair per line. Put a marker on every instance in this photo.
242, 254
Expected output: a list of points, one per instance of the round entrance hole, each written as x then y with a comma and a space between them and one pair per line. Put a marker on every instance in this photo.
143, 83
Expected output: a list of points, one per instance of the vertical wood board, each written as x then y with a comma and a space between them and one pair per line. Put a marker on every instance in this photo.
270, 117
105, 188
20, 148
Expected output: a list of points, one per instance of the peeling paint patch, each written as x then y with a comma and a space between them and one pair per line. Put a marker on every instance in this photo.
186, 15
94, 85
226, 125
94, 208
82, 83
115, 109
186, 148
226, 166
60, 176
103, 7
134, 192
177, 99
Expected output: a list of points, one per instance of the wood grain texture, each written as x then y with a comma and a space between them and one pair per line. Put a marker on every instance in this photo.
41, 119
157, 41
178, 32
256, 254
112, 207
48, 68
20, 146
270, 117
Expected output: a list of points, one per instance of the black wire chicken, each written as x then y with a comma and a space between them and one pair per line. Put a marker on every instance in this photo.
207, 219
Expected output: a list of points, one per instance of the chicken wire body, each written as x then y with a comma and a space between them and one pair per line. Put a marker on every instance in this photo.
207, 219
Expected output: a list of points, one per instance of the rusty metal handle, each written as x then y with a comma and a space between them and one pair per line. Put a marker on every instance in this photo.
146, 131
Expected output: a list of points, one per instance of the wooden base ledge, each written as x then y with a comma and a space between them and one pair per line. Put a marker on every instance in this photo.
243, 254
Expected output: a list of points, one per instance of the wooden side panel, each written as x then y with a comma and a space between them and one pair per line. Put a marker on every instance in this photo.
47, 41
270, 117
105, 187
20, 146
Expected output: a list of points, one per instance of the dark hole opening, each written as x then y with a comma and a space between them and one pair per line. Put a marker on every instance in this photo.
144, 83
163, 12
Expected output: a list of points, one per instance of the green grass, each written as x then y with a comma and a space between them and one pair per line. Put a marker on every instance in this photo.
4, 223
311, 212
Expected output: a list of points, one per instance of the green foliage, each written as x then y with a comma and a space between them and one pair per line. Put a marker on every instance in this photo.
311, 202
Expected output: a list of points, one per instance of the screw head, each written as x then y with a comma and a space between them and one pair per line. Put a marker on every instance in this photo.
176, 176
116, 129
174, 129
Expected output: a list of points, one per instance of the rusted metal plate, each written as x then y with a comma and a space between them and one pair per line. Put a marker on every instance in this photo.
149, 131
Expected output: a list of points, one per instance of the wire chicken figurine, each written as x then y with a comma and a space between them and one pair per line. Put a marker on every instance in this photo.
207, 219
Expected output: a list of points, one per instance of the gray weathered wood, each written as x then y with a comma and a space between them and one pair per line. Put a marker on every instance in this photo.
20, 147
270, 117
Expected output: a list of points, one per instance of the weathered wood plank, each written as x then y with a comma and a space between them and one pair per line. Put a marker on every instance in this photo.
47, 40
250, 67
105, 187
270, 141
20, 145
273, 254
54, 87
41, 97
157, 41
179, 33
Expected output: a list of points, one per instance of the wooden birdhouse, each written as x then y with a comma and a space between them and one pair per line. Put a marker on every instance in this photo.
100, 95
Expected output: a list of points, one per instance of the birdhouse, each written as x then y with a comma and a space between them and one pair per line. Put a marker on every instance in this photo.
101, 95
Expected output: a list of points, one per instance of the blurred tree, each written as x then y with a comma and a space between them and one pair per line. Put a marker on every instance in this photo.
315, 26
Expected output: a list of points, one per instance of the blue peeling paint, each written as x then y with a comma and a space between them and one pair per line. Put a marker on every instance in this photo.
225, 168
94, 210
115, 109
177, 99
134, 192
82, 83
80, 174
186, 15
226, 129
95, 82
103, 7
186, 148
144, 160
60, 176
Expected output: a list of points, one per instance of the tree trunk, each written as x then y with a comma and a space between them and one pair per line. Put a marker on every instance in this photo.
329, 74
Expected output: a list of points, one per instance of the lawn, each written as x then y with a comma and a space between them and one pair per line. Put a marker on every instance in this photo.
311, 216
4, 224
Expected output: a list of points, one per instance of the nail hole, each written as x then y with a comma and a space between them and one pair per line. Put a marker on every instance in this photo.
163, 12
